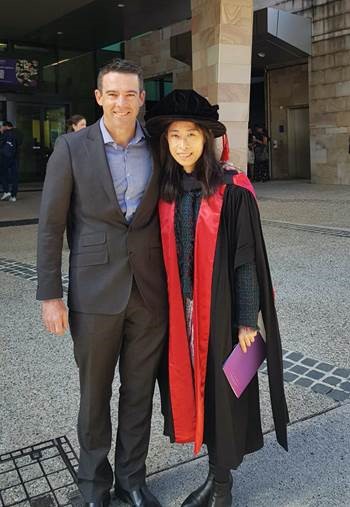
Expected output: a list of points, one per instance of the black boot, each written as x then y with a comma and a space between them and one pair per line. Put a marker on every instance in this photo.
200, 497
221, 494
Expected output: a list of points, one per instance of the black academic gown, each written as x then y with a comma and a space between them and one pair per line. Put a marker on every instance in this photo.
198, 404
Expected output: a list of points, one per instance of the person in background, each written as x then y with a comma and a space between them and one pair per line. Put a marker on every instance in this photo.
2, 175
251, 157
261, 154
266, 173
11, 141
19, 138
75, 123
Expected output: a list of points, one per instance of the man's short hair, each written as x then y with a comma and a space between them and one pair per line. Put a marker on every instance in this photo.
7, 124
122, 66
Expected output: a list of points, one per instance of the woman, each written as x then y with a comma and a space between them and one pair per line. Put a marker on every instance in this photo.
218, 279
76, 123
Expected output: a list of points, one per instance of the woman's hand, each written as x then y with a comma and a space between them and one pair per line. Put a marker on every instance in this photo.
246, 336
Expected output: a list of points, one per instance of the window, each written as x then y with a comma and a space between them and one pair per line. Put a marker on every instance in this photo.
156, 88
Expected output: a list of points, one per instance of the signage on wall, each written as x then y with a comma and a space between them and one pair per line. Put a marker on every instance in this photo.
19, 72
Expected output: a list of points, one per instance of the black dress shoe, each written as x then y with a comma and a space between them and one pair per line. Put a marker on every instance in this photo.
221, 494
106, 500
139, 497
200, 497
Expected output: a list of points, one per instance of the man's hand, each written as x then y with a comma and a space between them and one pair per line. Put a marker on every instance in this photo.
55, 316
246, 336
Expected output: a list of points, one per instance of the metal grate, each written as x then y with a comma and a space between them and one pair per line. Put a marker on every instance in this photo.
41, 475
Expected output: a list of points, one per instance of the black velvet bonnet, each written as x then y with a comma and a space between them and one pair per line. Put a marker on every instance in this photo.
185, 105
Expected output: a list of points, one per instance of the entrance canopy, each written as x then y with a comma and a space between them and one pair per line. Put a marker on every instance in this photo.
85, 24
279, 38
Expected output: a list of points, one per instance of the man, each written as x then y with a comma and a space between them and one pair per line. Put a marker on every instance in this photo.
102, 185
11, 141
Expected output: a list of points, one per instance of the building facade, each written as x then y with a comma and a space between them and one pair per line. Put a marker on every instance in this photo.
285, 64
328, 71
306, 104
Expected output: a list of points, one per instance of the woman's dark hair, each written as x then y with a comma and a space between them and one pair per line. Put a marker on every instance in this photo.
73, 120
208, 170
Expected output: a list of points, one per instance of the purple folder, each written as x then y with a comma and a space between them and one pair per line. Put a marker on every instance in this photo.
240, 368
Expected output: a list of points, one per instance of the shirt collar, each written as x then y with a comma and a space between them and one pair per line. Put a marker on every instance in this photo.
108, 139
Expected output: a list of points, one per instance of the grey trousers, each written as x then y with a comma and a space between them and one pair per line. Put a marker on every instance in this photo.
136, 337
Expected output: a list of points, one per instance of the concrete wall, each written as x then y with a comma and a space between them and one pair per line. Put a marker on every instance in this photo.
152, 52
330, 95
221, 46
329, 80
329, 85
297, 6
288, 87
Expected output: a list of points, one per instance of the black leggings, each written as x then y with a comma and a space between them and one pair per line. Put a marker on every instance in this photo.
221, 474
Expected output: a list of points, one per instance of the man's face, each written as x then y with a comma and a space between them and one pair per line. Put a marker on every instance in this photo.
120, 99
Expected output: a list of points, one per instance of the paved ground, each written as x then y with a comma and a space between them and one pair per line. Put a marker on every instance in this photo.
307, 231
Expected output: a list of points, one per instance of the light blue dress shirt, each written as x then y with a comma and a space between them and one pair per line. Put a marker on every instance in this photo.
131, 168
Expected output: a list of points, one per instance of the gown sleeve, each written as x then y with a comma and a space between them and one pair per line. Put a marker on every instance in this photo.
246, 296
241, 228
247, 245
242, 247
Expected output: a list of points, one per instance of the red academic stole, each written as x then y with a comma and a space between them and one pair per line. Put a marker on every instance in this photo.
187, 388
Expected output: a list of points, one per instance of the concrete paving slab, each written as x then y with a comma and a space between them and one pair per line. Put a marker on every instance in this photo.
314, 473
288, 190
19, 243
292, 201
310, 277
39, 380
26, 206
305, 203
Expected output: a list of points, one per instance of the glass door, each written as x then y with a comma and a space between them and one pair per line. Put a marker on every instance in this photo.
28, 117
54, 125
40, 126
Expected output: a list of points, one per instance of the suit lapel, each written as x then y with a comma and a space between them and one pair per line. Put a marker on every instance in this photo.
98, 159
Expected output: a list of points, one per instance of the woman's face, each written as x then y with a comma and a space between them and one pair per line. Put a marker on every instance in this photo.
186, 142
80, 125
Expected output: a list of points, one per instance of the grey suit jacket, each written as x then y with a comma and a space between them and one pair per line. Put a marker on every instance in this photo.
105, 251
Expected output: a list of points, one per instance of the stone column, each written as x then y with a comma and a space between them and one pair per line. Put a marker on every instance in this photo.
221, 47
